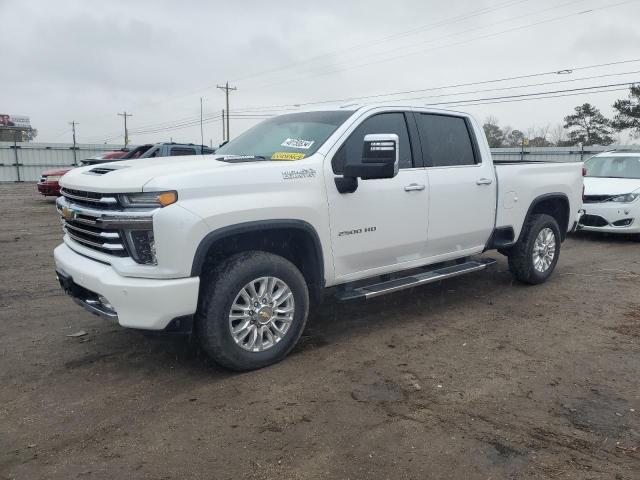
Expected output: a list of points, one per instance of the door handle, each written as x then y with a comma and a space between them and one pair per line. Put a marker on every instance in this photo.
413, 186
484, 181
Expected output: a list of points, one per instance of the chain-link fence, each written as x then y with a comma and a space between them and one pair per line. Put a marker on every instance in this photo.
25, 162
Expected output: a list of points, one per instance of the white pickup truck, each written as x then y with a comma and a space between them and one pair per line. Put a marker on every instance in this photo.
356, 201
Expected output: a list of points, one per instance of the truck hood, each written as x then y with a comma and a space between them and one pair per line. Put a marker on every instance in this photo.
131, 175
608, 186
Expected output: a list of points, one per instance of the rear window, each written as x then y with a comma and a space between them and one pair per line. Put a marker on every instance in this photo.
613, 167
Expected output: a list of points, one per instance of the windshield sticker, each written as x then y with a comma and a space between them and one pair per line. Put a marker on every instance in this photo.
294, 174
297, 143
287, 156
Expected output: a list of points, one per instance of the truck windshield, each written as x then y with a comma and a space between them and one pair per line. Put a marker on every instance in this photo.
613, 167
293, 136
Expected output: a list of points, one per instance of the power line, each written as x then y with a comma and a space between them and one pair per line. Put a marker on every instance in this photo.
259, 112
405, 33
442, 87
415, 30
350, 66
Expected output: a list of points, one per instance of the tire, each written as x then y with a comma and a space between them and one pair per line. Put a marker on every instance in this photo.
223, 289
521, 258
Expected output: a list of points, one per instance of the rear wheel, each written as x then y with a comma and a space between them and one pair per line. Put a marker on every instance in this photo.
535, 255
253, 310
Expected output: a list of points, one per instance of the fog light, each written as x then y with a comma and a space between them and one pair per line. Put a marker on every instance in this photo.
142, 246
105, 303
623, 223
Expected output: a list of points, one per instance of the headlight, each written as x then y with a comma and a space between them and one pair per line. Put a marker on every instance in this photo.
626, 198
52, 178
148, 199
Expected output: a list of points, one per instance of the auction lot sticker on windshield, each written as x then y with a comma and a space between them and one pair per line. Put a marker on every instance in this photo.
287, 156
297, 143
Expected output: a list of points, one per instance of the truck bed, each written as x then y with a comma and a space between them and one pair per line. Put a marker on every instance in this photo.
521, 183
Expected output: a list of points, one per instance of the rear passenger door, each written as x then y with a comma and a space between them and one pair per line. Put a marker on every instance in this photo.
462, 188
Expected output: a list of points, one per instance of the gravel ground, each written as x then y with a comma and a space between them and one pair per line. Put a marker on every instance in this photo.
472, 378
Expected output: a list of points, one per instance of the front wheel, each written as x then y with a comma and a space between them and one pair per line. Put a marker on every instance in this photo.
253, 310
533, 259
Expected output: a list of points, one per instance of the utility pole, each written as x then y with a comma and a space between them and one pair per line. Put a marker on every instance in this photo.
224, 131
126, 132
227, 89
201, 130
73, 124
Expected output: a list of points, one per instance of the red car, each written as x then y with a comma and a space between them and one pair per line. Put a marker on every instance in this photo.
48, 184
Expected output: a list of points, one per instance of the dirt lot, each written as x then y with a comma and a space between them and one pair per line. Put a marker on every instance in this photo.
474, 378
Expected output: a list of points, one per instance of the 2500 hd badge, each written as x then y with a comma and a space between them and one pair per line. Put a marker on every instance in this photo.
356, 231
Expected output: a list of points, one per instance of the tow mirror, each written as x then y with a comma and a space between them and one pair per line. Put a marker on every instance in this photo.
380, 159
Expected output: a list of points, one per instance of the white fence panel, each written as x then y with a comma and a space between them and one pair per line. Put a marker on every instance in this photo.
25, 161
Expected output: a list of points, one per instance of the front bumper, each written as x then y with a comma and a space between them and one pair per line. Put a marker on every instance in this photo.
148, 304
49, 189
611, 217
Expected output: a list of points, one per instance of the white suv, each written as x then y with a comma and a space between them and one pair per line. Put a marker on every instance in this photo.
612, 193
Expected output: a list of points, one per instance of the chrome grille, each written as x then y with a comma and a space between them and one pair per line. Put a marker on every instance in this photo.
597, 198
91, 199
98, 221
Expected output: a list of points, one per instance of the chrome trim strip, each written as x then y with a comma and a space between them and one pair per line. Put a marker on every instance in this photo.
105, 246
113, 235
108, 218
96, 308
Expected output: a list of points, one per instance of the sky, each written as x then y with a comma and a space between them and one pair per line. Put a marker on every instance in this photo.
88, 60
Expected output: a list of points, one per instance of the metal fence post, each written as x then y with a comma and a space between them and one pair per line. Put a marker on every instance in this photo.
581, 152
15, 156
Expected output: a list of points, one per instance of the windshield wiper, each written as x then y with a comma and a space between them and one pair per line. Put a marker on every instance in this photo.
241, 158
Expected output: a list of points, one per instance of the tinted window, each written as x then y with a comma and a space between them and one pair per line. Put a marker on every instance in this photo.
176, 151
207, 151
381, 123
445, 140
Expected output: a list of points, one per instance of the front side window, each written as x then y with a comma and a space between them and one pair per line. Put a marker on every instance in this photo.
613, 167
445, 140
286, 137
351, 150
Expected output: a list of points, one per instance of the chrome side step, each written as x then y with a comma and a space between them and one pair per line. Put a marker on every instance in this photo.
414, 280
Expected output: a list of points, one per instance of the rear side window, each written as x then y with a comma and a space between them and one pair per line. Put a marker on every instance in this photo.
446, 140
351, 149
177, 151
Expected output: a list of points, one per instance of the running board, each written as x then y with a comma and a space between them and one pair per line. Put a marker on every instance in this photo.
430, 276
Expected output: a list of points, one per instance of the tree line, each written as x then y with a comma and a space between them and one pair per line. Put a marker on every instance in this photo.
586, 126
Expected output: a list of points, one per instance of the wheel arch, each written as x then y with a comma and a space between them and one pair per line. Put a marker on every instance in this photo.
555, 205
295, 240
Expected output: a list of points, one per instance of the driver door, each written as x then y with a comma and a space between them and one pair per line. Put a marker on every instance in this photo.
382, 226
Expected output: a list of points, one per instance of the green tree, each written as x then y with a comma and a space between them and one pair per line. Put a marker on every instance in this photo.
494, 134
588, 126
628, 116
514, 138
539, 142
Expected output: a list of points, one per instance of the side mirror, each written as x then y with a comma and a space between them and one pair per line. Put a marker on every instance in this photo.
380, 158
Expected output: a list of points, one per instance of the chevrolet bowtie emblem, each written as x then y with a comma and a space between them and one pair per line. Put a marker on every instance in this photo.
68, 214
